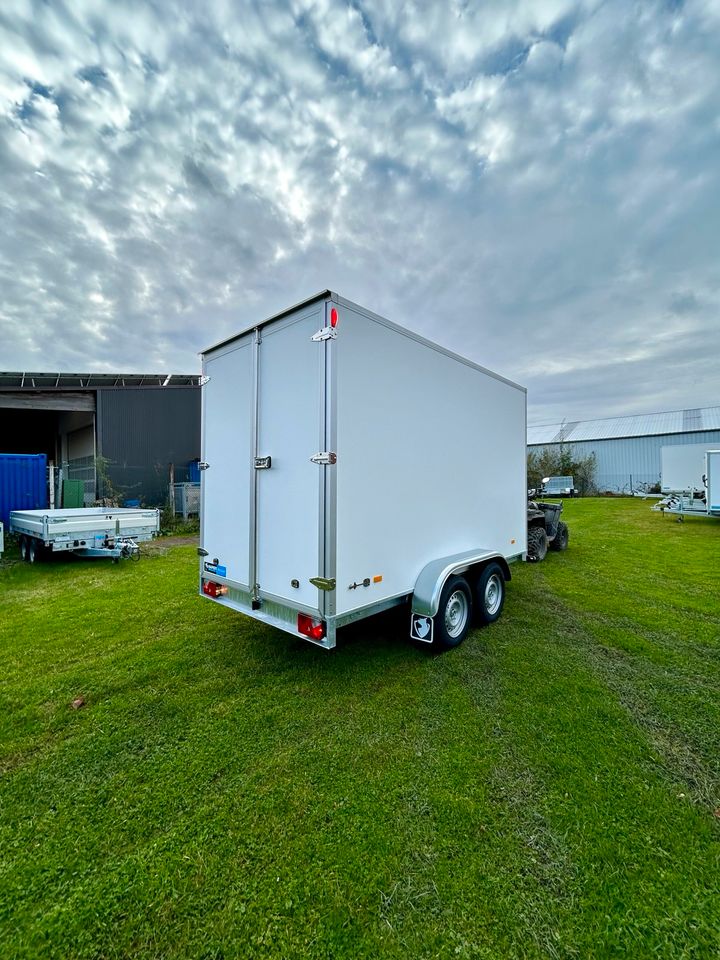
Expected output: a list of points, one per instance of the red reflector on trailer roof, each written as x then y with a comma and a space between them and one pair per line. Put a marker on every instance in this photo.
315, 629
333, 317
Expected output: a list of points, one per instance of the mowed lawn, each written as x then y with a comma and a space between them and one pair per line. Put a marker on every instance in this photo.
549, 789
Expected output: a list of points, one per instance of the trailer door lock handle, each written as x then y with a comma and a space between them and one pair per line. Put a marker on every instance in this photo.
263, 463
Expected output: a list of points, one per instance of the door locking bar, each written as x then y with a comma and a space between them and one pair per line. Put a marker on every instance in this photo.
323, 583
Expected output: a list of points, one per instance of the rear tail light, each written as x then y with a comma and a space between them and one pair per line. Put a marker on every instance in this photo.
315, 629
212, 589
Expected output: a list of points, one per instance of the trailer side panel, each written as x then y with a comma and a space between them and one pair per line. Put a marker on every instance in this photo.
683, 467
431, 460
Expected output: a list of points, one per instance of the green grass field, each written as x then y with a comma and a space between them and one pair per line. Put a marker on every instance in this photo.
549, 789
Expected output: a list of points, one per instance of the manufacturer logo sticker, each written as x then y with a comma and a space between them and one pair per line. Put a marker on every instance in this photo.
421, 628
216, 569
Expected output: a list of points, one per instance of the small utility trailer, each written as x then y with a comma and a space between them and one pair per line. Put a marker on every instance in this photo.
558, 487
349, 466
89, 532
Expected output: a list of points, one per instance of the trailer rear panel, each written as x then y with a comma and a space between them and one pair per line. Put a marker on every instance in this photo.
263, 419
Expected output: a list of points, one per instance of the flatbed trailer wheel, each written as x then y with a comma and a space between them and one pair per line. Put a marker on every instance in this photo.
32, 550
23, 547
454, 617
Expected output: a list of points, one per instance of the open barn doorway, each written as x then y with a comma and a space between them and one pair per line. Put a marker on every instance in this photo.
61, 426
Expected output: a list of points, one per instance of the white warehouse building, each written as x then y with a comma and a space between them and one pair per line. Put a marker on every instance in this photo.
627, 449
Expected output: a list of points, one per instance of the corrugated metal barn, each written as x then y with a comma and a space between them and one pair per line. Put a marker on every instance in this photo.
117, 433
627, 449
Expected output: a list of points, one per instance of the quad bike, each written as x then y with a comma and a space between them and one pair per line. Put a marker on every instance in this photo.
545, 529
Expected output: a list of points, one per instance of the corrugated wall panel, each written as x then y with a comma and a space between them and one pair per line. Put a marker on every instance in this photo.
140, 432
635, 460
642, 425
23, 483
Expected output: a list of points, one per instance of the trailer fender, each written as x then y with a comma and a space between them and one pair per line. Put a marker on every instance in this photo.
429, 585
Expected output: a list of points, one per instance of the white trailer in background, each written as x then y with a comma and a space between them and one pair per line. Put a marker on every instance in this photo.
350, 466
683, 467
691, 481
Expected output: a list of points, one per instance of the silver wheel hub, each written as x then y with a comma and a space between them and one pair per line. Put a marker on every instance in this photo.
456, 613
493, 594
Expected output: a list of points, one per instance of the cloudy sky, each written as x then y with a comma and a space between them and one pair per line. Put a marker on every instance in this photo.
533, 184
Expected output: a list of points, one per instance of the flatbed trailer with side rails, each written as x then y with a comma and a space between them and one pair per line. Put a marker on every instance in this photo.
112, 532
349, 466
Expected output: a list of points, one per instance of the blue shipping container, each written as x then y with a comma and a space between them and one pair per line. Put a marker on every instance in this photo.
23, 483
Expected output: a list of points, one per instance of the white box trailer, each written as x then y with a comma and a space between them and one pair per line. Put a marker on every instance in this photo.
700, 497
712, 480
348, 466
683, 467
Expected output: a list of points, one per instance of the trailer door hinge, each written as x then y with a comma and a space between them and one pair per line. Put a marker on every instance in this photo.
327, 458
327, 333
322, 583
203, 465
263, 463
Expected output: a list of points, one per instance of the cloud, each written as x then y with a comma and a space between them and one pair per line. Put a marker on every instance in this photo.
533, 185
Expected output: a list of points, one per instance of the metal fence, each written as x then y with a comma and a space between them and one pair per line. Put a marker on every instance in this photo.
185, 499
625, 483
83, 469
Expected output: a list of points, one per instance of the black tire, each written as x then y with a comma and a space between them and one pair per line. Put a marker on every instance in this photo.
23, 547
454, 617
537, 544
489, 594
32, 550
560, 542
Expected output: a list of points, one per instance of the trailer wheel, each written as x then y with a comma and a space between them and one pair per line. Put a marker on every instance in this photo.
537, 544
23, 547
32, 550
560, 541
454, 616
490, 593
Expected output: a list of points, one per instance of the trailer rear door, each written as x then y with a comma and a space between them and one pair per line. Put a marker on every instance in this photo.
291, 391
227, 451
712, 478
